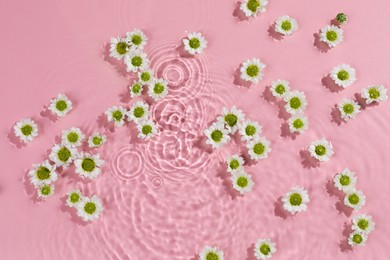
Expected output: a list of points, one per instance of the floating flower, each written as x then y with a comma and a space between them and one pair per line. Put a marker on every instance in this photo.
96, 140
348, 108
286, 25
158, 89
26, 130
242, 182
343, 75
145, 76
374, 93
252, 70
136, 61
235, 163
321, 149
118, 47
217, 135
136, 39
259, 148
295, 200
42, 174
116, 114
195, 43
331, 35
231, 118
355, 199
253, 7
357, 238
341, 18
363, 223
88, 166
136, 89
295, 102
74, 198
345, 180
45, 191
62, 155
146, 129
72, 137
60, 106
89, 208
211, 253
249, 130
298, 123
139, 111
264, 249
280, 88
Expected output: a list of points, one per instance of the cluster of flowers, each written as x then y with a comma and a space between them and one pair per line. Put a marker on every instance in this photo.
332, 35
242, 181
321, 150
362, 224
87, 208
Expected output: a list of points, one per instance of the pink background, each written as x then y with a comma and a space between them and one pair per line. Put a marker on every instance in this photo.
167, 198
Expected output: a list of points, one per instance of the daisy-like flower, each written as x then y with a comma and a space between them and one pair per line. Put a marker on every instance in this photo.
45, 191
62, 155
286, 25
343, 75
341, 18
145, 76
139, 111
249, 130
211, 253
136, 39
357, 238
217, 135
264, 249
118, 47
295, 102
280, 88
195, 43
96, 140
242, 182
43, 174
374, 93
88, 166
89, 208
26, 130
252, 70
158, 88
72, 137
117, 115
355, 199
295, 200
345, 180
136, 60
146, 129
331, 35
253, 7
74, 198
321, 149
298, 123
235, 163
349, 108
259, 148
136, 89
60, 106
231, 118
363, 223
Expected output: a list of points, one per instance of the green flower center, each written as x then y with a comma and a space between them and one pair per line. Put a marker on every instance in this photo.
348, 108
145, 76
345, 180
298, 123
45, 190
231, 119
253, 5
286, 25
320, 150
88, 165
341, 18
26, 130
234, 164
117, 115
43, 173
212, 256
216, 135
242, 181
259, 148
280, 89
97, 140
73, 137
74, 197
136, 88
194, 43
61, 105
357, 238
252, 70
64, 154
158, 88
363, 224
343, 75
136, 61
265, 249
90, 208
138, 112
250, 130
331, 36
295, 199
353, 199
136, 39
374, 93
295, 103
121, 48
146, 129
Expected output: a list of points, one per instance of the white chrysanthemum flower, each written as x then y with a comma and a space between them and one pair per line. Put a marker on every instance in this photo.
363, 223
43, 174
235, 163
118, 47
62, 155
136, 39
158, 88
147, 129
259, 148
343, 75
286, 25
117, 115
348, 108
26, 130
242, 182
139, 111
136, 89
295, 102
136, 61
195, 43
298, 123
331, 35
355, 199
74, 198
96, 140
249, 130
88, 166
345, 180
280, 88
296, 200
217, 135
253, 7
252, 70
45, 191
321, 149
61, 105
72, 137
89, 208
357, 238
145, 76
209, 252
374, 93
264, 249
231, 118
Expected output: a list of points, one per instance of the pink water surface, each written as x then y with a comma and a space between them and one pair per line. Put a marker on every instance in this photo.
169, 197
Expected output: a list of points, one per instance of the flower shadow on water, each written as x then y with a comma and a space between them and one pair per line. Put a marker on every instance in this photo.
329, 83
48, 114
119, 65
267, 95
30, 189
182, 52
333, 191
283, 114
343, 209
307, 160
250, 252
273, 33
224, 175
285, 131
14, 139
343, 245
362, 102
336, 115
238, 81
279, 211
320, 45
104, 123
239, 14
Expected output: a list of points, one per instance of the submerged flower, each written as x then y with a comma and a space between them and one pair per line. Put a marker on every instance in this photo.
116, 114
74, 198
355, 199
118, 47
295, 102
252, 70
136, 89
345, 180
343, 75
259, 148
145, 76
139, 111
331, 35
96, 140
26, 130
136, 39
158, 89
357, 238
363, 223
348, 108
286, 25
296, 200
89, 208
72, 137
45, 191
298, 123
217, 135
62, 155
264, 249
231, 118
195, 43
242, 182
374, 93
61, 105
147, 129
321, 149
235, 163
42, 174
211, 253
280, 88
136, 61
253, 7
88, 166
249, 130
341, 18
